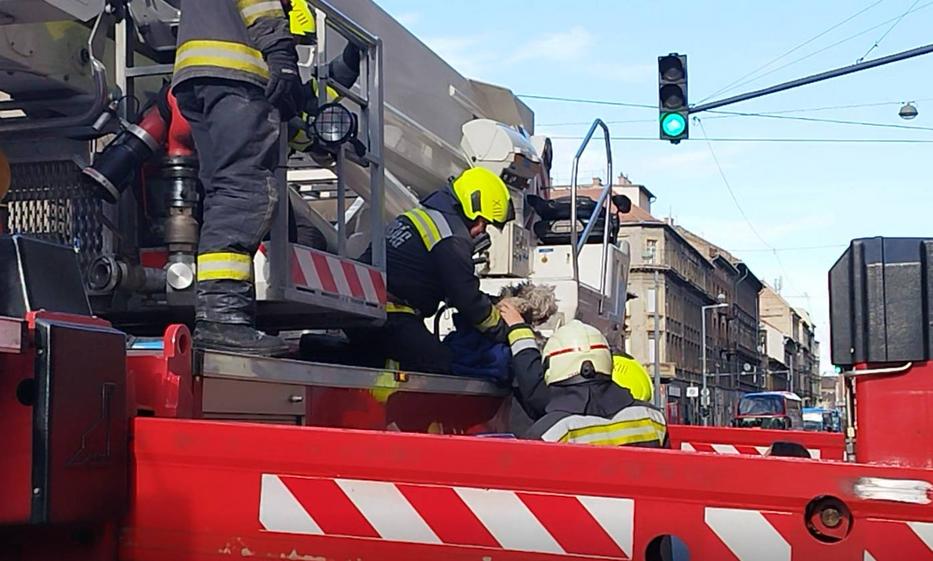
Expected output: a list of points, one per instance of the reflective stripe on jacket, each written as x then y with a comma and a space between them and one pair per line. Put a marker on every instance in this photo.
429, 259
639, 425
594, 411
227, 38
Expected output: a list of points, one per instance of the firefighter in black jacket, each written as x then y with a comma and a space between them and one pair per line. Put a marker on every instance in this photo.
570, 394
236, 79
429, 259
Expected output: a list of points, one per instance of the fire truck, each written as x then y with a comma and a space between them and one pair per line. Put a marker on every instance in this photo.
126, 443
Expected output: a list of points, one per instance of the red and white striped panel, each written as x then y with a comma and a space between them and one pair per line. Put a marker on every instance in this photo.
733, 449
752, 535
456, 516
322, 272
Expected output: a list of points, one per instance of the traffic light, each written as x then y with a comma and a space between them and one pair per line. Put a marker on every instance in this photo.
672, 97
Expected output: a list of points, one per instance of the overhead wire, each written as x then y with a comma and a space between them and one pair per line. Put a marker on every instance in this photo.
738, 206
824, 49
775, 139
820, 120
726, 114
794, 49
886, 33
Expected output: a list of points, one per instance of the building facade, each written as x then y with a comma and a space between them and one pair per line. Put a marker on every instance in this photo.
674, 274
799, 372
756, 342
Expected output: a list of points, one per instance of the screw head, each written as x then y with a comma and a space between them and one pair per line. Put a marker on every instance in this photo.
831, 517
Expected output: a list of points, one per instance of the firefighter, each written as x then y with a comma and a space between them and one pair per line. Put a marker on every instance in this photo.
236, 79
630, 374
429, 259
569, 391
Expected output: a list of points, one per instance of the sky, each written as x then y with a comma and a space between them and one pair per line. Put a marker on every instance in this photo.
793, 206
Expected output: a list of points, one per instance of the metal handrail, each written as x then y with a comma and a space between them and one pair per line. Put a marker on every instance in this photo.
603, 201
369, 101
101, 99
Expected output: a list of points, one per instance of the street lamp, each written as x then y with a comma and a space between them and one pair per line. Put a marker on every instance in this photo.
908, 111
704, 394
648, 256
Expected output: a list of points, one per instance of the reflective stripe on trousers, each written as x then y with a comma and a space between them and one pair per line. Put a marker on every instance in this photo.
225, 266
392, 307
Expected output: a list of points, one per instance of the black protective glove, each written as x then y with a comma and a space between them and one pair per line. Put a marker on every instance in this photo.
284, 89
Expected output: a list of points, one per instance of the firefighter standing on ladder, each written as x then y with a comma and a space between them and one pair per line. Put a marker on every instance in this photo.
429, 259
236, 80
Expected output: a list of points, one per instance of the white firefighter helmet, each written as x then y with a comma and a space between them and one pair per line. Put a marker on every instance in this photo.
570, 347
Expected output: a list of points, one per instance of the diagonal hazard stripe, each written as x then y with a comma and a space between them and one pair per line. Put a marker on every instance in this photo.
279, 510
448, 515
298, 277
353, 280
616, 517
890, 540
388, 511
748, 534
509, 520
323, 273
327, 504
379, 284
924, 531
572, 525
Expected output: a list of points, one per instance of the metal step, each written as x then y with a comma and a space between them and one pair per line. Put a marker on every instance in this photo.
235, 387
215, 364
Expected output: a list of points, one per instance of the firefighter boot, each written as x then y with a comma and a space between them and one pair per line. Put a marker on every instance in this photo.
236, 338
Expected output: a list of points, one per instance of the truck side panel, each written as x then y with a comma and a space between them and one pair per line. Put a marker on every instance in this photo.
207, 490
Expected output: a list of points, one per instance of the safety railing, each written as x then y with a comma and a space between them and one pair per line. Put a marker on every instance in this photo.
369, 101
603, 203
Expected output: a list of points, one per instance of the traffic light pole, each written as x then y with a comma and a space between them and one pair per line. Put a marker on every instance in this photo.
851, 69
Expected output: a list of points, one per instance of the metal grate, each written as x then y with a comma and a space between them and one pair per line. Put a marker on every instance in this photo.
49, 201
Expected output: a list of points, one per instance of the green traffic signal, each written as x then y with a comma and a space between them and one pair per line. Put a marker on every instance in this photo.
673, 124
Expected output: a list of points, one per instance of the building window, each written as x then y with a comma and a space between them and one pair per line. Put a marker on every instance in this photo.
651, 350
651, 248
649, 301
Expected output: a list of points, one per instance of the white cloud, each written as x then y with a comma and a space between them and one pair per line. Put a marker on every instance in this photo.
466, 54
620, 72
476, 56
560, 46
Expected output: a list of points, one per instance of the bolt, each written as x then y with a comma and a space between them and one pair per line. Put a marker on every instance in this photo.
36, 491
831, 517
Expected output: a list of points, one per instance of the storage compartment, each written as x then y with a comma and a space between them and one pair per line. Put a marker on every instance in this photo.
252, 399
880, 307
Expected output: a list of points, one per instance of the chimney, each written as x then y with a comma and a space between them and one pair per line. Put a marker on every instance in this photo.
623, 180
597, 182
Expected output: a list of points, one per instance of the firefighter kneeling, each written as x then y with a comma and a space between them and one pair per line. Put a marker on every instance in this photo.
570, 393
429, 259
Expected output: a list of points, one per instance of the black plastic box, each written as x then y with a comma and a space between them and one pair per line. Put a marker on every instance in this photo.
37, 275
880, 302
